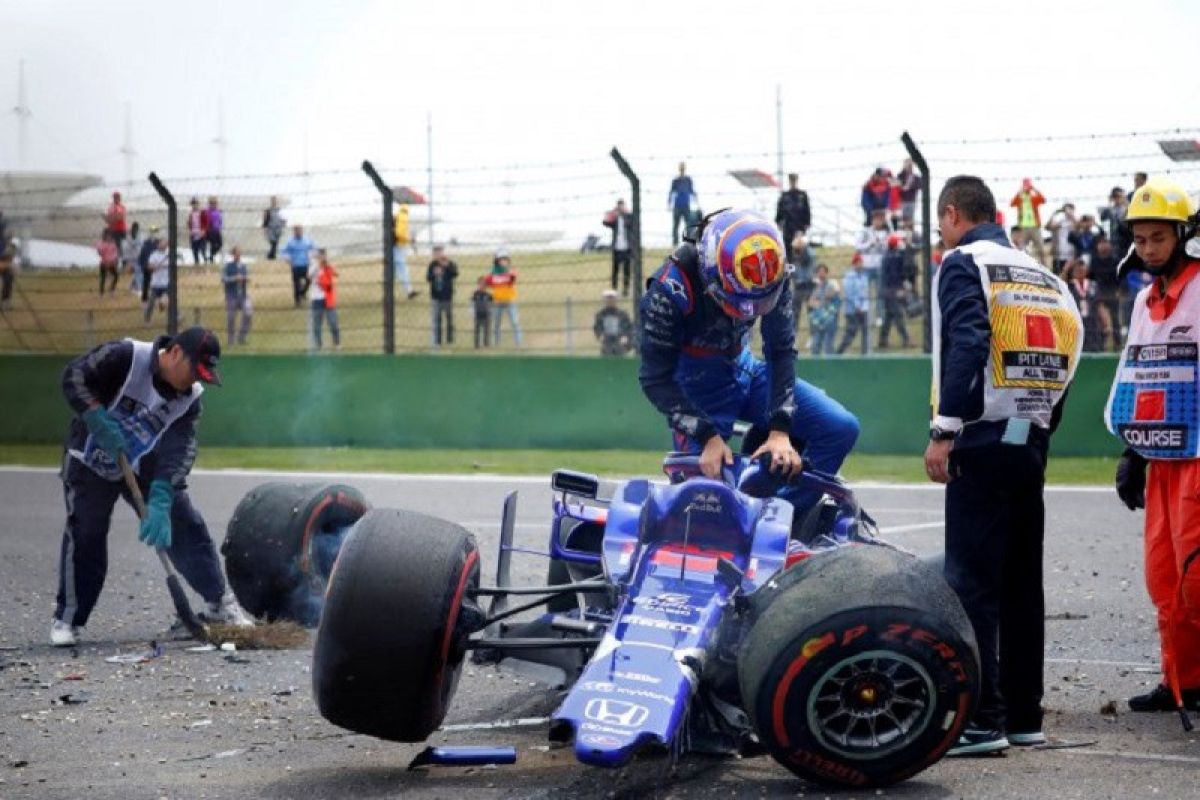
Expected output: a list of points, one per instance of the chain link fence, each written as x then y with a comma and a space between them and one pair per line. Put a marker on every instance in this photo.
532, 256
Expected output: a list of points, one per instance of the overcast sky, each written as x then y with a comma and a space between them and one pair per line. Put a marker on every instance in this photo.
515, 80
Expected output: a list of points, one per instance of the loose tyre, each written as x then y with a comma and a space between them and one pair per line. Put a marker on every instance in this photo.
391, 641
860, 668
281, 543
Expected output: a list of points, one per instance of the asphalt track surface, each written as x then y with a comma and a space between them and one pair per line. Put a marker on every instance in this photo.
193, 725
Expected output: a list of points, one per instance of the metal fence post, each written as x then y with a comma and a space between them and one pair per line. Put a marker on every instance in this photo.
926, 237
389, 259
172, 254
570, 324
635, 199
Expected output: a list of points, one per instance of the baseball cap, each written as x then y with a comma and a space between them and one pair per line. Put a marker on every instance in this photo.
501, 252
204, 349
609, 293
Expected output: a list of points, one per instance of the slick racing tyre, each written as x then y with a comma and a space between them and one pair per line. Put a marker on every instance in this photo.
860, 668
281, 543
397, 614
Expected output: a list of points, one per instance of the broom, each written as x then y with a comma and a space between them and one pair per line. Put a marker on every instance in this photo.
263, 636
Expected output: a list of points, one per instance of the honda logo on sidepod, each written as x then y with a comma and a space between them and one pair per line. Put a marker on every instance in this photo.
616, 712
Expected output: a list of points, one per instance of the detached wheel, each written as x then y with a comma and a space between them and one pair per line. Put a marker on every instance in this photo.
391, 641
860, 668
281, 543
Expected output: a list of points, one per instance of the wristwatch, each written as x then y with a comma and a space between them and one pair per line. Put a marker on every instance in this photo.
937, 434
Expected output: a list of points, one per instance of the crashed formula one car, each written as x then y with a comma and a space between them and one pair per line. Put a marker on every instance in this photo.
689, 616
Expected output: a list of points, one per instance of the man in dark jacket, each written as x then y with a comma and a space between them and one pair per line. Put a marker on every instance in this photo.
138, 401
894, 285
613, 327
441, 274
792, 214
1006, 343
624, 234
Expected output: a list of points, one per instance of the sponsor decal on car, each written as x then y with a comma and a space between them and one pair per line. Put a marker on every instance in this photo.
592, 726
639, 677
670, 603
660, 624
616, 712
600, 740
604, 687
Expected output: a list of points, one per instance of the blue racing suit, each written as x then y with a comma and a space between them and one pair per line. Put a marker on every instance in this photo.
697, 370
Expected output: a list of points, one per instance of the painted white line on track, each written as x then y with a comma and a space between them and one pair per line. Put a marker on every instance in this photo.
919, 526
496, 478
1102, 663
1132, 755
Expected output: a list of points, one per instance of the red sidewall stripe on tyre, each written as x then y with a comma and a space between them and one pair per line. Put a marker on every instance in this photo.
785, 684
455, 605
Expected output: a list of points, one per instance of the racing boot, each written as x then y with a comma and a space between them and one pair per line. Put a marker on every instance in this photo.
227, 611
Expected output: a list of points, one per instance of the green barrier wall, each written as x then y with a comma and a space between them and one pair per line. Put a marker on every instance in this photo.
500, 402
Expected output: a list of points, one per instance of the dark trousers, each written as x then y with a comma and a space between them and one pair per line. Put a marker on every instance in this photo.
800, 294
145, 281
995, 521
482, 338
83, 557
621, 260
678, 215
300, 283
856, 323
215, 243
273, 241
199, 249
894, 314
108, 270
443, 309
6, 285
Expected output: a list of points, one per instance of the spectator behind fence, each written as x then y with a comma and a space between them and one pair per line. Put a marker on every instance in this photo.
440, 276
149, 245
8, 269
1084, 237
402, 238
273, 224
1062, 224
481, 308
235, 278
613, 327
680, 202
1114, 214
131, 248
1085, 292
894, 287
197, 223
909, 183
1139, 180
297, 253
158, 265
876, 195
503, 284
1102, 269
216, 228
106, 248
1134, 281
622, 224
823, 306
856, 289
322, 278
802, 277
871, 244
115, 222
793, 215
1028, 203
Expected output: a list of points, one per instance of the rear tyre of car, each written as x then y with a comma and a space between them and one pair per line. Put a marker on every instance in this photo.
281, 543
392, 637
860, 668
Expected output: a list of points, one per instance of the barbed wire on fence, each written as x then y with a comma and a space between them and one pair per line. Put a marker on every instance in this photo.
547, 215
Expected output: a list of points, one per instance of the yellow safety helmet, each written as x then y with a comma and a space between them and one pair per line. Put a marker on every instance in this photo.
1160, 200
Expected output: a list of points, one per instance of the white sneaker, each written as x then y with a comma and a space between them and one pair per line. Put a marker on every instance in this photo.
1027, 739
64, 635
227, 611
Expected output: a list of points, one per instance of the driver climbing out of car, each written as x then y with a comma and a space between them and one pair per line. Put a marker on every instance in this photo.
696, 366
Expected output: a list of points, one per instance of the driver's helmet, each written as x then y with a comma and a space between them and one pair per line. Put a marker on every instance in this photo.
743, 264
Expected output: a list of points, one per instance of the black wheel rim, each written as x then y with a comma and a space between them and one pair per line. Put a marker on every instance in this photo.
871, 704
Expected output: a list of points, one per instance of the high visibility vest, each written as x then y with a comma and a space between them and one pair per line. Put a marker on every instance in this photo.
141, 413
1152, 406
1037, 335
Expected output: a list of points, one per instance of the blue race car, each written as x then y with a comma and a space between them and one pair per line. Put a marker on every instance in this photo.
689, 616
